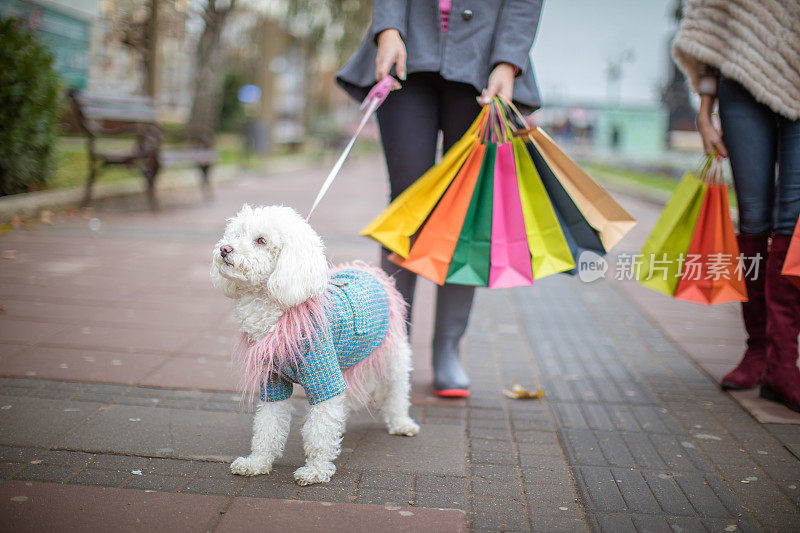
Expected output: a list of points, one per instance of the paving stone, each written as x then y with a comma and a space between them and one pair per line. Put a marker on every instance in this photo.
159, 483
207, 470
443, 500
250, 514
492, 458
212, 486
119, 462
435, 450
540, 461
57, 474
601, 490
275, 490
103, 478
383, 497
498, 514
709, 495
16, 454
50, 506
40, 423
668, 493
66, 458
548, 477
379, 480
491, 445
536, 437
144, 431
170, 467
179, 404
495, 481
7, 470
564, 522
488, 433
445, 484
745, 526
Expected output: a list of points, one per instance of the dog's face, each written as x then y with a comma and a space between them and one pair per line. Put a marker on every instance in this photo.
270, 252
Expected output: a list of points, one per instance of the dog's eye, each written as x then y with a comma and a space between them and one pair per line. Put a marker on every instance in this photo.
261, 240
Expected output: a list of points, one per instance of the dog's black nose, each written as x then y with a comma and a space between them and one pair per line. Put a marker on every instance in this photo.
225, 250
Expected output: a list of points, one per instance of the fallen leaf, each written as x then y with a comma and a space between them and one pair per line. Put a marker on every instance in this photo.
518, 392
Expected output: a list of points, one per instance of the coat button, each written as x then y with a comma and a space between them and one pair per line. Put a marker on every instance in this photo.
467, 14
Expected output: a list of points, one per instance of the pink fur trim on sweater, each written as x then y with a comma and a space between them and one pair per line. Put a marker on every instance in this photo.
295, 330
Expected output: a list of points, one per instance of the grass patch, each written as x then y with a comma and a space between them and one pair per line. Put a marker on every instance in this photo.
632, 178
638, 181
72, 169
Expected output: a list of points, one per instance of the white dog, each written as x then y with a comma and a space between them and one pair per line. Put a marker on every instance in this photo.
340, 333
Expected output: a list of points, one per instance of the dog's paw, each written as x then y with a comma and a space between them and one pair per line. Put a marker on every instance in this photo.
250, 466
310, 474
407, 427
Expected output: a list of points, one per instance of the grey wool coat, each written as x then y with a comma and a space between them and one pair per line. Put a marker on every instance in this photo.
480, 34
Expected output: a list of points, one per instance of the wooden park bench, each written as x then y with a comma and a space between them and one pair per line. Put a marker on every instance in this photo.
135, 116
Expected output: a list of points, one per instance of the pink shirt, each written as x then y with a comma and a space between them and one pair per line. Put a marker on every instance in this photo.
444, 12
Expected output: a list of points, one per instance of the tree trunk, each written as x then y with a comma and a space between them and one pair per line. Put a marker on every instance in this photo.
208, 80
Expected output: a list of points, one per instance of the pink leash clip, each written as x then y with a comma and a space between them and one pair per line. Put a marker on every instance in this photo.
374, 98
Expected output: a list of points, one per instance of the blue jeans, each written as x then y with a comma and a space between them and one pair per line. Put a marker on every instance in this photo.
757, 139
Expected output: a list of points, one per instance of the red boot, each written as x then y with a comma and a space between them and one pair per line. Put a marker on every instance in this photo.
781, 379
747, 373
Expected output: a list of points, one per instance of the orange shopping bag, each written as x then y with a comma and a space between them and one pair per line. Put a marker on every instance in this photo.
791, 265
712, 270
433, 248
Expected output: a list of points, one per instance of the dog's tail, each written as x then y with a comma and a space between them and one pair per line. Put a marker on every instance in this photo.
376, 364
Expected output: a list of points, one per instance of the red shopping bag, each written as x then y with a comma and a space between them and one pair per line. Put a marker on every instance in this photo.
791, 265
712, 269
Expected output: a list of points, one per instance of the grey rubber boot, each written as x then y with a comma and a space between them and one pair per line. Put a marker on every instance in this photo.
453, 304
404, 280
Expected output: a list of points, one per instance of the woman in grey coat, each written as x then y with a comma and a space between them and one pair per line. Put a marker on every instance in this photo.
452, 56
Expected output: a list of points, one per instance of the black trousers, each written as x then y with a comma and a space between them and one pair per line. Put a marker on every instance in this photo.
410, 120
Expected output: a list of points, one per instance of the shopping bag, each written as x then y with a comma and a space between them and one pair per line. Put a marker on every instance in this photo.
434, 246
578, 233
550, 252
601, 210
471, 257
659, 265
791, 265
712, 271
510, 264
394, 227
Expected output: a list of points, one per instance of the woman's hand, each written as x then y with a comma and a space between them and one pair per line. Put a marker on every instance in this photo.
391, 52
501, 81
711, 136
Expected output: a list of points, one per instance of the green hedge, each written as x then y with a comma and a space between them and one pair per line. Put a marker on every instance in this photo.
30, 108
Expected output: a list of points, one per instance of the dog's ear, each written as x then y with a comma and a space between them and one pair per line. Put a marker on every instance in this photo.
301, 270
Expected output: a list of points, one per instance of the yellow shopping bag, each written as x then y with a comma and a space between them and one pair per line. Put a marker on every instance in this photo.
549, 249
404, 216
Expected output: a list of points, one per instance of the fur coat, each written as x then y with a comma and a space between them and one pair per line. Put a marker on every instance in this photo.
756, 43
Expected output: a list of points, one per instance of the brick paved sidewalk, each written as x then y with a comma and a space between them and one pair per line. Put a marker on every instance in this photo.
117, 402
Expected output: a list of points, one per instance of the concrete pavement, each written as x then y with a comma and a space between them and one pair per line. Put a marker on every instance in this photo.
118, 395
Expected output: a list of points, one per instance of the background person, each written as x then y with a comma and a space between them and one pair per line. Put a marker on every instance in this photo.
451, 57
746, 55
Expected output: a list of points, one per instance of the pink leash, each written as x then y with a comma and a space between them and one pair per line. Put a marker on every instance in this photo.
371, 103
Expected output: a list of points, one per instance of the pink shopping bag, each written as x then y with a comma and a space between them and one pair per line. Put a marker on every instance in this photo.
510, 255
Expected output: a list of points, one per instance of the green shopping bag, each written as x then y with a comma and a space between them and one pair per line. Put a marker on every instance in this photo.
471, 258
550, 252
662, 255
